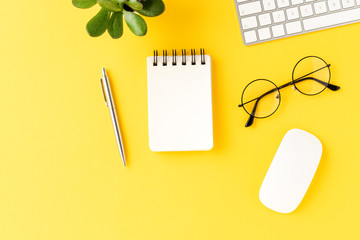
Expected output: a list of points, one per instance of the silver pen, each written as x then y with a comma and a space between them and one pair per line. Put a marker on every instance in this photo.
105, 85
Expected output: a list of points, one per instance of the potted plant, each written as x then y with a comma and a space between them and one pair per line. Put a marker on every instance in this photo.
112, 12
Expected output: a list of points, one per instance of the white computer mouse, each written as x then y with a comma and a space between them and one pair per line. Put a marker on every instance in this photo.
291, 171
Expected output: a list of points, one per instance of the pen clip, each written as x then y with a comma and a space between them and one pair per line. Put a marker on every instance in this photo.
102, 88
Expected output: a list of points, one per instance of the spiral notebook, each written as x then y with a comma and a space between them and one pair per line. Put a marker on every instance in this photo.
180, 102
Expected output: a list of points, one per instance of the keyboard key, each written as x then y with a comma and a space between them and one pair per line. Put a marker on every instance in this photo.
265, 19
292, 13
278, 16
250, 36
293, 27
283, 3
249, 22
320, 7
240, 1
295, 2
348, 3
269, 5
332, 19
264, 33
306, 10
278, 30
249, 8
334, 5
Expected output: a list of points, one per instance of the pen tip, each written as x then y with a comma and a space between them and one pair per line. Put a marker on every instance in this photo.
123, 157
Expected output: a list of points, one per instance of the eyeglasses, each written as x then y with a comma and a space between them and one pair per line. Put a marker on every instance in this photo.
261, 97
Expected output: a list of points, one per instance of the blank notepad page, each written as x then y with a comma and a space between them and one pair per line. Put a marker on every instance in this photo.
180, 104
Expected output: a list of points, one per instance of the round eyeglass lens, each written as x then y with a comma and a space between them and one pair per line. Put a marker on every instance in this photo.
311, 75
260, 98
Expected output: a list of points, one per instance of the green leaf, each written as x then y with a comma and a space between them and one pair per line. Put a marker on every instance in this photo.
112, 5
152, 8
98, 24
83, 3
136, 23
134, 4
115, 27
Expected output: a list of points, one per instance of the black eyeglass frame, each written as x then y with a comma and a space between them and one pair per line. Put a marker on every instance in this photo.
255, 106
293, 82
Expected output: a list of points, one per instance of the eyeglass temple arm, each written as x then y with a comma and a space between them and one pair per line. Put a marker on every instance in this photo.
326, 84
268, 92
330, 86
250, 120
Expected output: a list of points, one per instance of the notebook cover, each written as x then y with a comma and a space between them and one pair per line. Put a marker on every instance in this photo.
180, 105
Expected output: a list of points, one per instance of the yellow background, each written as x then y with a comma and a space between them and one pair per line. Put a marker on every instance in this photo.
61, 175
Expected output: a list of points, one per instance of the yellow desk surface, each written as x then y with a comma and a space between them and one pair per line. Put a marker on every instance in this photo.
61, 176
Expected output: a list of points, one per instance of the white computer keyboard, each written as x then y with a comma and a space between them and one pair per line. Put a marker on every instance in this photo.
266, 20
